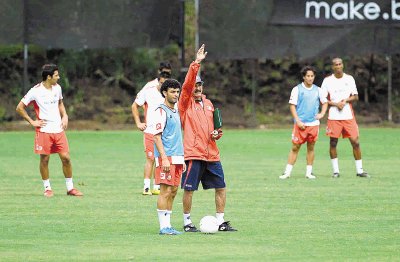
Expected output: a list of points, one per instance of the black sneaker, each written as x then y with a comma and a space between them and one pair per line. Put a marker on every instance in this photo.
335, 175
226, 226
190, 228
363, 174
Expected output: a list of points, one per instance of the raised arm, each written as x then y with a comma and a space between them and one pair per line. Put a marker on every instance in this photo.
190, 80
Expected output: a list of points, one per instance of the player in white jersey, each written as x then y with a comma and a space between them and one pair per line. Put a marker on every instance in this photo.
341, 91
150, 98
305, 100
51, 121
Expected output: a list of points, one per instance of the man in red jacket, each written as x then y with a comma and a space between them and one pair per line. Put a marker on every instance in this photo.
200, 148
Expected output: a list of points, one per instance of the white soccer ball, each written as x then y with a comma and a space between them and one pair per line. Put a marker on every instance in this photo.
209, 225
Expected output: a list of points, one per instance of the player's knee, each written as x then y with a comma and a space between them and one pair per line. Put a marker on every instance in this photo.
44, 160
355, 144
310, 146
333, 143
66, 160
296, 148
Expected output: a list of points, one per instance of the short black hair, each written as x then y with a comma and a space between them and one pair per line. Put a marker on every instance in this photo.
48, 70
308, 68
164, 65
169, 83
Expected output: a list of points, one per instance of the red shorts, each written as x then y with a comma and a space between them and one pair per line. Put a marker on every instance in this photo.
310, 134
46, 143
172, 178
148, 141
346, 128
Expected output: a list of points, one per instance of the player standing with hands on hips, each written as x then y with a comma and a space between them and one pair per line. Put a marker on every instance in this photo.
341, 92
51, 122
304, 101
201, 152
150, 98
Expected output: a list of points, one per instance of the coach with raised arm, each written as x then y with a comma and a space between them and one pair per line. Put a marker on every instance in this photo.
200, 148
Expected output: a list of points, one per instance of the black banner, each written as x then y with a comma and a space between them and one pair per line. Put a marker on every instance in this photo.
12, 22
271, 29
91, 23
332, 13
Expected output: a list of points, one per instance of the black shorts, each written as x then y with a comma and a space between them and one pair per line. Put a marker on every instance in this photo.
210, 174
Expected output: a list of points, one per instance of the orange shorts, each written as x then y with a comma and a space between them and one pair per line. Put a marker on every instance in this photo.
346, 128
310, 134
46, 143
148, 141
172, 178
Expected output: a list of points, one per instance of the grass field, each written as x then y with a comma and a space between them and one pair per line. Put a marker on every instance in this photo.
345, 219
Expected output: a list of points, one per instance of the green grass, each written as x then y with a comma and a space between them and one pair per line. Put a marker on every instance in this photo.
346, 219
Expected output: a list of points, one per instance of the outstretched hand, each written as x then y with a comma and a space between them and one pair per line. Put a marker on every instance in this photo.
200, 54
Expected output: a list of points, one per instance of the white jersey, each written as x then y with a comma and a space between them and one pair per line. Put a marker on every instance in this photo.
45, 102
338, 89
150, 98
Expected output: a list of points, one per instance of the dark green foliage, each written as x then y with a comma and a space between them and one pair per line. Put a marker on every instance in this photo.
102, 83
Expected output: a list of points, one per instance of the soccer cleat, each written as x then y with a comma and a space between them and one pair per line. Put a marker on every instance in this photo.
155, 191
48, 193
74, 192
226, 226
169, 231
190, 228
284, 176
311, 176
363, 174
335, 175
174, 231
146, 192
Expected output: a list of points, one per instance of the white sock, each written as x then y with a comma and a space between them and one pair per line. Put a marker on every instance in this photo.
156, 187
146, 183
163, 218
335, 165
288, 169
169, 213
308, 170
220, 218
69, 183
359, 166
186, 219
46, 184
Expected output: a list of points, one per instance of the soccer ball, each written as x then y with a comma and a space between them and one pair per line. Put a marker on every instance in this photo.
209, 225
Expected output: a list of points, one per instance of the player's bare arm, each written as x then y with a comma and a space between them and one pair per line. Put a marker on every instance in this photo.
64, 116
165, 162
201, 54
351, 99
296, 117
22, 112
323, 111
135, 113
339, 105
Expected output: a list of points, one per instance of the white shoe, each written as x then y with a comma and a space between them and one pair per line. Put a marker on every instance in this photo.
311, 176
284, 176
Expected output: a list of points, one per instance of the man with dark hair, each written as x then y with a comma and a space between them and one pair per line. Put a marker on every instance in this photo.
168, 153
341, 90
304, 106
51, 122
201, 151
149, 98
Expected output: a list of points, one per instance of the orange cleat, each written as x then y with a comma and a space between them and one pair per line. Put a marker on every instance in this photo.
74, 192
